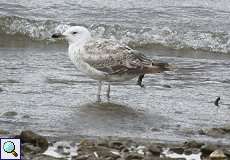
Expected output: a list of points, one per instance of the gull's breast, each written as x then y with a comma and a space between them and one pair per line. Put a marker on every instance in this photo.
76, 57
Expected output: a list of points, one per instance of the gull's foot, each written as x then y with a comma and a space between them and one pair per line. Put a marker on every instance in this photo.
217, 101
139, 81
108, 97
108, 92
141, 85
98, 99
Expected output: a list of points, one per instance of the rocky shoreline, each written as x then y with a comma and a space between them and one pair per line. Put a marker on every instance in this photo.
37, 147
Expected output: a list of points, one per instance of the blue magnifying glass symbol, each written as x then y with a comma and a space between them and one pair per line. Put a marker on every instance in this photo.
9, 147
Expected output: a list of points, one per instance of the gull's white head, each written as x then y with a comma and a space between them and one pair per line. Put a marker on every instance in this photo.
75, 34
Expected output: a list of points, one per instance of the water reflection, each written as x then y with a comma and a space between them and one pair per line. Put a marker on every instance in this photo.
109, 109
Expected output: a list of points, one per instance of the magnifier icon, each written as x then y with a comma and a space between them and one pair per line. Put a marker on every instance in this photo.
9, 147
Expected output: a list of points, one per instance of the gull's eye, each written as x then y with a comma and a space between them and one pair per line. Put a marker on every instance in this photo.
74, 32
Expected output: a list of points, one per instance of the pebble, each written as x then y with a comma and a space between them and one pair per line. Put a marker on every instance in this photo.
187, 151
82, 157
3, 132
10, 114
30, 148
178, 150
193, 144
154, 150
33, 139
116, 145
207, 149
26, 116
133, 156
166, 86
217, 155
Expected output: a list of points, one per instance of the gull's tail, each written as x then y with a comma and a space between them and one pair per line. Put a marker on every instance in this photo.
157, 67
152, 68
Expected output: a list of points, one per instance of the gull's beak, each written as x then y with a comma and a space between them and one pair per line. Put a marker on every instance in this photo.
58, 35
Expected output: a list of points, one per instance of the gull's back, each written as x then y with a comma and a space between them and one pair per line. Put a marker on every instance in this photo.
116, 59
112, 57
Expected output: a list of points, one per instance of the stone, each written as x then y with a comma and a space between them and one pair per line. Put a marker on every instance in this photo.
215, 132
141, 149
167, 86
85, 142
26, 116
34, 139
193, 144
63, 150
154, 150
10, 114
187, 151
178, 150
82, 157
100, 151
3, 132
195, 150
9, 81
116, 145
178, 112
207, 149
125, 150
155, 129
133, 156
41, 157
217, 155
103, 142
227, 152
226, 128
28, 148
201, 132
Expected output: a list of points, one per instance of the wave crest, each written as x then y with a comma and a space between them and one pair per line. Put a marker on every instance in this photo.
135, 37
37, 30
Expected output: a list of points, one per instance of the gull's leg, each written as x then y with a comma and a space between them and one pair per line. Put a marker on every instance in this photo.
108, 92
139, 81
99, 91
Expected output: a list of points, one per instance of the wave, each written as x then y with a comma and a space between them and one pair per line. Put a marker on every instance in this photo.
135, 37
36, 30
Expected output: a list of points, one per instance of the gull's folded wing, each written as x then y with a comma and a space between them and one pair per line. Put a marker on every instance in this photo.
114, 59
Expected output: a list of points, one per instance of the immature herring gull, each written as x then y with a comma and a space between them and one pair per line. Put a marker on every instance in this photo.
107, 60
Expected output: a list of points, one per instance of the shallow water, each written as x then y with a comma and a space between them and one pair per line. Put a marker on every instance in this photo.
39, 81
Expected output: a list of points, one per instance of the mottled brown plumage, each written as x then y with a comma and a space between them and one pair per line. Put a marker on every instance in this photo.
116, 58
112, 57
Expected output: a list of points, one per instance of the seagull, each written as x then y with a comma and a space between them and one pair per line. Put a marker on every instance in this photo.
107, 60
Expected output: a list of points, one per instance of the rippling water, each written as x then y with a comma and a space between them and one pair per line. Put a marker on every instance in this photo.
38, 79
197, 25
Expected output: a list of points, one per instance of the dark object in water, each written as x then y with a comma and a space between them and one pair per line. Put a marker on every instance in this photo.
139, 81
217, 101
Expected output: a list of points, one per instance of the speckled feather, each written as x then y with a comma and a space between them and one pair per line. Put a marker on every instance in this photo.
113, 57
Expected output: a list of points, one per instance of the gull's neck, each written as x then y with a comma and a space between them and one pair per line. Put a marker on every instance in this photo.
76, 47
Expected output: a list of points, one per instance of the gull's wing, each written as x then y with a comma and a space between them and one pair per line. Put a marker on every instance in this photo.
114, 58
